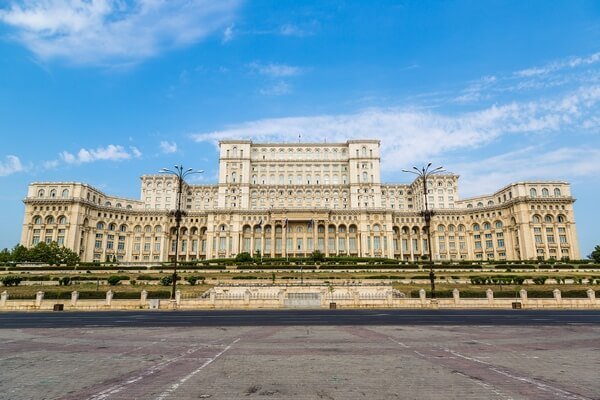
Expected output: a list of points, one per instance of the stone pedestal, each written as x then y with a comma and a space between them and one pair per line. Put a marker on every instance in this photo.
143, 297
39, 297
489, 294
3, 298
109, 297
74, 297
456, 296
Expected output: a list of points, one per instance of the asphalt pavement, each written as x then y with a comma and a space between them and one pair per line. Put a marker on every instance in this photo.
204, 318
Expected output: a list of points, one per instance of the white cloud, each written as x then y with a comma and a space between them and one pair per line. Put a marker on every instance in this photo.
135, 151
228, 34
490, 174
275, 70
277, 89
108, 153
11, 165
293, 30
410, 136
571, 62
108, 32
168, 147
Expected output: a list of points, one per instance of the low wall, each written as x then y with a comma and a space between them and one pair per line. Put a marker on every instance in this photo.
300, 296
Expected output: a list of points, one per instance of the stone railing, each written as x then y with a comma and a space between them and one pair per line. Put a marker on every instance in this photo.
300, 296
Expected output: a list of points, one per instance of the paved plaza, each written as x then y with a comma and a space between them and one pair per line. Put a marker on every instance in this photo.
301, 360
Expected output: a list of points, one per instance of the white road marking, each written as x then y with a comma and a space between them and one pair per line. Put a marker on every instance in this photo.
400, 343
176, 385
106, 393
542, 386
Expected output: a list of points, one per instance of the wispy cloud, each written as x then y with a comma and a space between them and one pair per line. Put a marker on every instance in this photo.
168, 147
294, 30
228, 34
109, 153
277, 89
410, 135
571, 62
275, 70
533, 162
10, 165
109, 32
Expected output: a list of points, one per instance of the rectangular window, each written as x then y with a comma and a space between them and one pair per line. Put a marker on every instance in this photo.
289, 246
563, 238
321, 244
157, 247
425, 246
60, 240
222, 243
136, 246
488, 235
331, 245
538, 238
500, 242
203, 246
415, 245
462, 245
309, 244
299, 244
268, 245
195, 246
499, 234
173, 246
561, 230
342, 244
405, 245
489, 244
550, 238
278, 245
147, 247
352, 242
395, 244
537, 230
477, 237
478, 245
246, 245
257, 244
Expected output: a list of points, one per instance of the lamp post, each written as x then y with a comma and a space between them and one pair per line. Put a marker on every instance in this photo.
424, 173
180, 174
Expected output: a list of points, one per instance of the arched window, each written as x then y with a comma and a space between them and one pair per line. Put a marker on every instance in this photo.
440, 228
469, 205
487, 226
65, 193
233, 177
62, 220
53, 193
480, 204
376, 228
137, 229
532, 192
148, 229
108, 204
561, 218
545, 192
461, 228
112, 227
158, 229
490, 203
100, 225
37, 220
49, 219
475, 227
557, 192
365, 177
548, 219
41, 193
498, 224
536, 219
123, 228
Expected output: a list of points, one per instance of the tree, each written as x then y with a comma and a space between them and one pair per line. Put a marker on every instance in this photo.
595, 254
317, 256
243, 257
5, 256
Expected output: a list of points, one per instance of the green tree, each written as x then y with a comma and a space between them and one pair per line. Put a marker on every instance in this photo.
5, 256
243, 257
317, 256
20, 253
595, 254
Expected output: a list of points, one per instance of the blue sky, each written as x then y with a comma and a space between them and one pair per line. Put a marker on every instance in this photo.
103, 91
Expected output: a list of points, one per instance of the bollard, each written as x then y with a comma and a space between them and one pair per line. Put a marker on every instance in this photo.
489, 294
523, 295
143, 297
456, 295
74, 297
109, 297
39, 296
422, 296
557, 295
178, 297
591, 294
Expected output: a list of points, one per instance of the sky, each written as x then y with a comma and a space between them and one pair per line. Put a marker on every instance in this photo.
103, 91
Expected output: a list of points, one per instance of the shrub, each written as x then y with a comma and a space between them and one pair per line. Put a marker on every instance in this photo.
540, 280
65, 281
193, 279
114, 280
11, 280
166, 280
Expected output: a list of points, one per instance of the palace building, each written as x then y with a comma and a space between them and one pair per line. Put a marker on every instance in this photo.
289, 199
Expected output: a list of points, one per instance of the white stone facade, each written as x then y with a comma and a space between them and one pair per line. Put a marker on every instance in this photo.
289, 199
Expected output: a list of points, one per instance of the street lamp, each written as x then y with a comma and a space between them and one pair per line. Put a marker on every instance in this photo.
424, 173
180, 174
